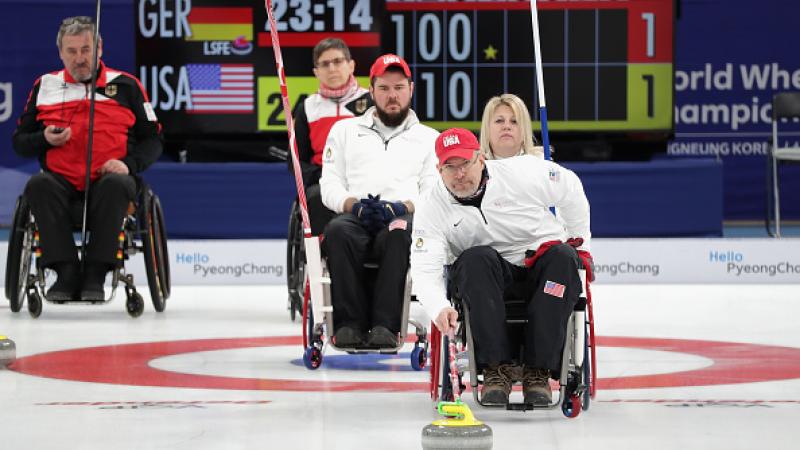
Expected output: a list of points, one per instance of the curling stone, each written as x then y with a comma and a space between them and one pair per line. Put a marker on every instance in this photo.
8, 351
460, 431
441, 437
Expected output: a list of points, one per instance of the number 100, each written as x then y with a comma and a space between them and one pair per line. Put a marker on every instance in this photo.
429, 36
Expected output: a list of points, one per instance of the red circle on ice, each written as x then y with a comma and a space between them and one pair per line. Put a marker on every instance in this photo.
128, 364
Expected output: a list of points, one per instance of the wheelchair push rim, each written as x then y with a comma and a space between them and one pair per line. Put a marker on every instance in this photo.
18, 261
155, 252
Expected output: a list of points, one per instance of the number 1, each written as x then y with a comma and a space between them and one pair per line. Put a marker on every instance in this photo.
428, 78
650, 18
399, 22
649, 79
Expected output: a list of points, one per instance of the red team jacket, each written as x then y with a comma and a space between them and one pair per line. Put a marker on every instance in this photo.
125, 126
314, 118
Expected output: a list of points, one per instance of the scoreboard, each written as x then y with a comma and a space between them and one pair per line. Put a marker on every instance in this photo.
208, 65
607, 65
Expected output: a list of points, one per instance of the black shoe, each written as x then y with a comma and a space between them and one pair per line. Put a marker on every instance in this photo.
381, 337
348, 337
94, 277
93, 293
66, 285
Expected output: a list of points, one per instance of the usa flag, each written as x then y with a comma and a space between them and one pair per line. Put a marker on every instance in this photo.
554, 289
221, 88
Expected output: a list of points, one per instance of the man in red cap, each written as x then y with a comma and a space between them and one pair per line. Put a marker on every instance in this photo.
484, 219
374, 168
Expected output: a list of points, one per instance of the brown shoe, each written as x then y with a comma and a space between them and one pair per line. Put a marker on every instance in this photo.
496, 384
536, 386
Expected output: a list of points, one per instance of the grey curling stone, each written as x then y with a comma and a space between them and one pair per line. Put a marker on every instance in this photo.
440, 437
8, 351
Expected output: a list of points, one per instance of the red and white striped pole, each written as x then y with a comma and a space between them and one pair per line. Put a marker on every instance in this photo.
314, 280
287, 113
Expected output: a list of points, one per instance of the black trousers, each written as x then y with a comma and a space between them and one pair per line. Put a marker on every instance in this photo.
54, 202
318, 213
484, 281
348, 246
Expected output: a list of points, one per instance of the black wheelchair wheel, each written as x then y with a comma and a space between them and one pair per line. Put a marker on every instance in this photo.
156, 256
587, 371
295, 262
18, 260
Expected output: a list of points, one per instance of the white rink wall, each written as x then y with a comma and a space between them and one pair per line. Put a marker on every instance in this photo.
747, 260
618, 261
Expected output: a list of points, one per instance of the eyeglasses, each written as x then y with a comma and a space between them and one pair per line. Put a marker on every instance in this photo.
335, 62
454, 169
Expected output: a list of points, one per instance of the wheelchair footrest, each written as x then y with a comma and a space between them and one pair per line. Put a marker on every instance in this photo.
77, 302
525, 406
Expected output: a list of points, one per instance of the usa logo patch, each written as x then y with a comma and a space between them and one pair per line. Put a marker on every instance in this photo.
554, 289
398, 224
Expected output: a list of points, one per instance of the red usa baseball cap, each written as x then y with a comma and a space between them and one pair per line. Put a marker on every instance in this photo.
384, 62
456, 143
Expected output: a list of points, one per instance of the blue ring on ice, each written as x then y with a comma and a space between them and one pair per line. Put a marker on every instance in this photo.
365, 361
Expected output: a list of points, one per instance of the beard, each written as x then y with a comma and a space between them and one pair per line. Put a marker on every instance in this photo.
392, 120
464, 191
81, 74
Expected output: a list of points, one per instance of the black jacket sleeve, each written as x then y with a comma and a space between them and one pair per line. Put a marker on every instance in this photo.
28, 138
145, 142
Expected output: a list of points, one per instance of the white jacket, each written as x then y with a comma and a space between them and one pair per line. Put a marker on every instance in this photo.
358, 160
514, 217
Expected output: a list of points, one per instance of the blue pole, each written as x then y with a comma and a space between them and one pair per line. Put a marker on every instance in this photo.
540, 80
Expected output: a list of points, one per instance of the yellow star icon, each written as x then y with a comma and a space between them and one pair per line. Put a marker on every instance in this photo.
490, 52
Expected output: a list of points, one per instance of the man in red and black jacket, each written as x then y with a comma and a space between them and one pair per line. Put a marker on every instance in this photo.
54, 128
339, 97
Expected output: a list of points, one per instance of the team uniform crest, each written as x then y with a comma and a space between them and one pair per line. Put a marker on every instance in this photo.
361, 105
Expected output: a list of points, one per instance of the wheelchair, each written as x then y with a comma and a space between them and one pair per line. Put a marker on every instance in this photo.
143, 231
295, 262
577, 379
309, 279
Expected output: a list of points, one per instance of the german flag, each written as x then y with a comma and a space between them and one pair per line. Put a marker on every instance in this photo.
220, 24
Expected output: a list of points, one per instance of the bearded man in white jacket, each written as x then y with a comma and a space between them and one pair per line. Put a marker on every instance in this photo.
491, 222
374, 169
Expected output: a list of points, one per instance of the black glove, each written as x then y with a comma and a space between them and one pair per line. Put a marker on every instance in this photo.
391, 210
586, 258
359, 209
367, 210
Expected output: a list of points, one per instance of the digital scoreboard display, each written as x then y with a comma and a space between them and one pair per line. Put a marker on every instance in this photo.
208, 65
607, 65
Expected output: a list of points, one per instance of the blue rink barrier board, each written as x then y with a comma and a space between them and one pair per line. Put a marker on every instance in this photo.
253, 200
224, 201
659, 198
